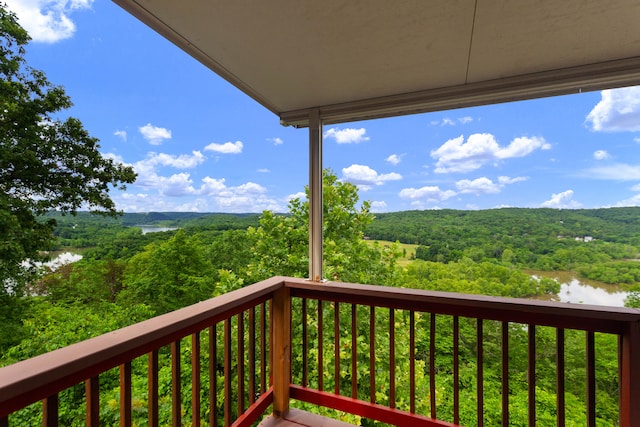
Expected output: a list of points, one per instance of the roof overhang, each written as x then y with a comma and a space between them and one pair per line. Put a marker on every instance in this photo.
354, 60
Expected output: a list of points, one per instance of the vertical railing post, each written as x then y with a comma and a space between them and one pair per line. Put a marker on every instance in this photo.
315, 196
281, 351
630, 376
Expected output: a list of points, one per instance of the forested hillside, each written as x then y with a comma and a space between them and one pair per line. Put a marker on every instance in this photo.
126, 276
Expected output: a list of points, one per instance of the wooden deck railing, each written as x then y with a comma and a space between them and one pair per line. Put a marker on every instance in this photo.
398, 356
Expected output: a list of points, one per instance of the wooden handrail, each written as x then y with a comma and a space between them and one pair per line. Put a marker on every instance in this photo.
37, 378
43, 377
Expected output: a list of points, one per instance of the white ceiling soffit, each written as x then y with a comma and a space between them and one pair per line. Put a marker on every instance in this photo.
362, 59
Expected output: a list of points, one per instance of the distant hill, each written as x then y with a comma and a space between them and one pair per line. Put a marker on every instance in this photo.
620, 225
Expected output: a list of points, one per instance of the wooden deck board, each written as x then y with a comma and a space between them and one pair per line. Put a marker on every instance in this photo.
297, 418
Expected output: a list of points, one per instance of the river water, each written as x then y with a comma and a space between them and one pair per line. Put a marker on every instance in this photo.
583, 291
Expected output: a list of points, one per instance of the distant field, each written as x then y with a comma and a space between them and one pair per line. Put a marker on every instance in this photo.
408, 250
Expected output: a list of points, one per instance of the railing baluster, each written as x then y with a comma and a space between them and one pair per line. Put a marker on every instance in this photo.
591, 379
213, 377
505, 373
195, 379
354, 352
480, 373
456, 370
531, 361
336, 348
252, 355
432, 364
152, 388
92, 391
240, 363
629, 351
263, 347
320, 346
49, 412
176, 385
412, 362
125, 395
227, 372
392, 359
305, 343
560, 377
372, 354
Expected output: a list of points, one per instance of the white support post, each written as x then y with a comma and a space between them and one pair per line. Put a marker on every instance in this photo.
315, 196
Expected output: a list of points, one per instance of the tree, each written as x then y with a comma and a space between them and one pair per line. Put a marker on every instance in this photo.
281, 241
46, 163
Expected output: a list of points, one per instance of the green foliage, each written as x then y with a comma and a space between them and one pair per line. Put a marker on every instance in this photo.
168, 275
281, 242
45, 163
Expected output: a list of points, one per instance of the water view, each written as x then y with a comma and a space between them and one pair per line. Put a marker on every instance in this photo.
584, 291
154, 228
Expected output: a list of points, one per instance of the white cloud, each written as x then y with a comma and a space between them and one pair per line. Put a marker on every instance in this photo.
430, 193
562, 200
47, 21
365, 177
226, 148
478, 186
601, 155
616, 172
636, 140
378, 206
347, 136
176, 185
299, 195
155, 135
631, 201
635, 187
456, 155
504, 180
447, 121
263, 170
521, 147
394, 159
617, 111
276, 141
121, 134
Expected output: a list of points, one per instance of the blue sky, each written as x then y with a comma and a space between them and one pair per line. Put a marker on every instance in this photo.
199, 144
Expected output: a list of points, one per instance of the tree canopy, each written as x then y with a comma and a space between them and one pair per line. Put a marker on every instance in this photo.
46, 162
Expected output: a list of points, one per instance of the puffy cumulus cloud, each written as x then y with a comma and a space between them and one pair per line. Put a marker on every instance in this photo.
347, 136
631, 201
176, 185
365, 177
122, 134
458, 155
263, 170
155, 135
299, 195
47, 21
478, 186
378, 206
617, 111
429, 193
183, 161
276, 141
226, 148
601, 155
614, 172
394, 159
485, 185
521, 147
562, 200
